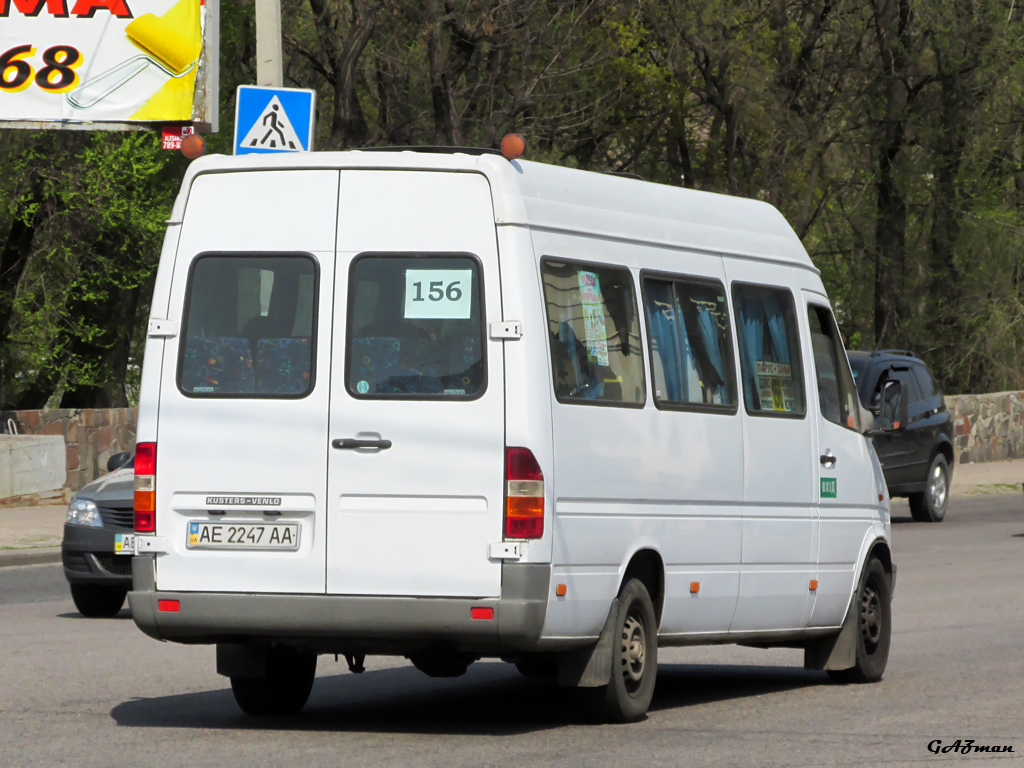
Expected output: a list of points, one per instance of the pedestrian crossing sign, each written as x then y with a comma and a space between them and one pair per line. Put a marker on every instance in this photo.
273, 119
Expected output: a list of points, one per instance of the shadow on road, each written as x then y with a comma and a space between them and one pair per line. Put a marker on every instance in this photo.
686, 685
123, 615
490, 700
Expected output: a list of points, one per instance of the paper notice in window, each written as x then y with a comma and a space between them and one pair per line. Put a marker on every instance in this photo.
593, 317
775, 386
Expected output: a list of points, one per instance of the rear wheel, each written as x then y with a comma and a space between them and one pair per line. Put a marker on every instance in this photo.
627, 696
874, 627
284, 689
96, 601
930, 506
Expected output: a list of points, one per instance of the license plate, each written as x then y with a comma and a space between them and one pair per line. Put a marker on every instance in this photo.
242, 535
124, 543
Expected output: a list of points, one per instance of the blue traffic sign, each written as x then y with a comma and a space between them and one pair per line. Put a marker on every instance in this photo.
273, 119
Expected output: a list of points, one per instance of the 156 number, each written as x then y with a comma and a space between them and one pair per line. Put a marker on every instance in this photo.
437, 291
58, 74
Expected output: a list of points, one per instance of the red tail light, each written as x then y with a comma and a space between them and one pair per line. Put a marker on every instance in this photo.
524, 495
145, 488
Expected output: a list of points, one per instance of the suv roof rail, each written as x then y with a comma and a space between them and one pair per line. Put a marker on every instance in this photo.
903, 352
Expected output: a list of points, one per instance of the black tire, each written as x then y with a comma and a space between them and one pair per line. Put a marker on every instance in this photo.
930, 505
538, 666
873, 613
96, 601
627, 697
285, 688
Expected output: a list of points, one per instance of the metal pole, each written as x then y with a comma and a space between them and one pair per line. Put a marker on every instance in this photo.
269, 71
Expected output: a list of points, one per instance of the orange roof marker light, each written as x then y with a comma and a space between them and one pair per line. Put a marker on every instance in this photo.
193, 146
513, 146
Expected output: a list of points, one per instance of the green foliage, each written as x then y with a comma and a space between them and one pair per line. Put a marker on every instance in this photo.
889, 132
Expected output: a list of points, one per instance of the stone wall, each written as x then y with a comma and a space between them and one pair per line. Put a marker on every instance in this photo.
988, 427
91, 436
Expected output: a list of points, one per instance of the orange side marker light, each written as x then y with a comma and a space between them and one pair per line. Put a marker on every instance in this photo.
694, 587
814, 585
561, 589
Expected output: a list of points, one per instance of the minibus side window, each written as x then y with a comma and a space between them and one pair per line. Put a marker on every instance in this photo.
415, 327
691, 353
837, 395
594, 331
250, 327
769, 351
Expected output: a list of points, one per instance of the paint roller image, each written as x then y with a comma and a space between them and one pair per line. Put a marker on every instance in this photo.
172, 43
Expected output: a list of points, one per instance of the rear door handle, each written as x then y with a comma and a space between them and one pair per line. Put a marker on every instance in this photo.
351, 443
827, 459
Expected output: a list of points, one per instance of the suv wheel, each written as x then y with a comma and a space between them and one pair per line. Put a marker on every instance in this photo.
930, 506
97, 601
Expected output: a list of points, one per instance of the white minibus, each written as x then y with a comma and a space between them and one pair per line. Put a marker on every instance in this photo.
450, 406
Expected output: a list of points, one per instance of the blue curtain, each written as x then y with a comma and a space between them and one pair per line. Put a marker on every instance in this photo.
751, 316
775, 314
662, 313
709, 334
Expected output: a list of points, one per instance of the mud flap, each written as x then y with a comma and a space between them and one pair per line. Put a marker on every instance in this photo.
590, 667
838, 651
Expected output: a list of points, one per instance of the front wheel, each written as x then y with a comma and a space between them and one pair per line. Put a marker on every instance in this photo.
873, 612
285, 687
96, 601
627, 696
930, 506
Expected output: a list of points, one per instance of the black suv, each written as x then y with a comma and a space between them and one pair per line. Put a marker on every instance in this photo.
916, 457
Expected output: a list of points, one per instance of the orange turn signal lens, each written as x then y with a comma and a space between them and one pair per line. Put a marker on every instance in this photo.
814, 585
694, 587
561, 589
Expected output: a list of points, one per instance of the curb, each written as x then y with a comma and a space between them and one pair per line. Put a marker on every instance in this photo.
30, 557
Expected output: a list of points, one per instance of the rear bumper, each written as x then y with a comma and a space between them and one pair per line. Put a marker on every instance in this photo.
344, 623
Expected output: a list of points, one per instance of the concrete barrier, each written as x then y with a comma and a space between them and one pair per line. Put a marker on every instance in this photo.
32, 467
89, 436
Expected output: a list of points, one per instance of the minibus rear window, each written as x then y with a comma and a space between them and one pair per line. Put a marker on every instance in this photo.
769, 351
250, 327
415, 328
594, 333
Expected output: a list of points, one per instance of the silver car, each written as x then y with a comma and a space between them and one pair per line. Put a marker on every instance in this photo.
98, 535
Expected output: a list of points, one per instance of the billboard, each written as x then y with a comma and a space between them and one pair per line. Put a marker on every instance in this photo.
107, 63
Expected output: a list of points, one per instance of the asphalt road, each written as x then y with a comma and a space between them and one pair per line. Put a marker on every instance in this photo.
100, 693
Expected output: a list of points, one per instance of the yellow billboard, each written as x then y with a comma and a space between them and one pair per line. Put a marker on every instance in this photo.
67, 62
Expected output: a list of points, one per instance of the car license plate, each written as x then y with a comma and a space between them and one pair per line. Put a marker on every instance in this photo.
124, 543
242, 535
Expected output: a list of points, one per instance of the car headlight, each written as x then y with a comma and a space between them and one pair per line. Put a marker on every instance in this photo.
83, 512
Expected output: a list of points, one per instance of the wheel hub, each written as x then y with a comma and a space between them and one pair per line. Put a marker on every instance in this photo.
937, 487
870, 618
634, 650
